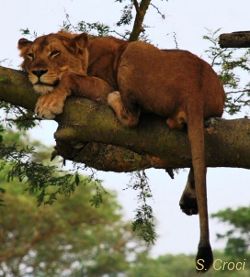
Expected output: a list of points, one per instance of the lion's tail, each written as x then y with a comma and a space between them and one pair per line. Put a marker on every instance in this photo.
196, 137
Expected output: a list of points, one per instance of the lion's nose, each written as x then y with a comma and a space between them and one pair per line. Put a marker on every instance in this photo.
39, 73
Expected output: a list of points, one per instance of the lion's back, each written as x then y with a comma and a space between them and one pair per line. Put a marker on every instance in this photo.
169, 77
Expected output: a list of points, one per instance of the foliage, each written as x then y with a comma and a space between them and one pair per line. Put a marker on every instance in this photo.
179, 265
68, 238
23, 163
238, 234
95, 28
143, 223
126, 17
17, 116
130, 9
163, 266
230, 64
29, 163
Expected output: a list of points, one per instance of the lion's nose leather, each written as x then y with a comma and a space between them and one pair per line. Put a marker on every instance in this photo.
39, 73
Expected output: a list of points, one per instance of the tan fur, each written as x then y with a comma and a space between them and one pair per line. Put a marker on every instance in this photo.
64, 59
131, 77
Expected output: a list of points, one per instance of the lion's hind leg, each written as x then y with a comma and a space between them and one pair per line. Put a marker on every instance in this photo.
127, 117
177, 120
188, 201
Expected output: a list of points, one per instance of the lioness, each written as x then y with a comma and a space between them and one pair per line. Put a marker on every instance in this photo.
132, 76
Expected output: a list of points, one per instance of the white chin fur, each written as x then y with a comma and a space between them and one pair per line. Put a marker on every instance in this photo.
42, 89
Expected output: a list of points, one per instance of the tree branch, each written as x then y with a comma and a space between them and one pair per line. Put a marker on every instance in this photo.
136, 5
140, 14
235, 39
89, 133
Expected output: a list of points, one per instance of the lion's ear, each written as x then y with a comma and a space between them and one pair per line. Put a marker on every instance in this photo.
23, 45
23, 42
81, 41
77, 43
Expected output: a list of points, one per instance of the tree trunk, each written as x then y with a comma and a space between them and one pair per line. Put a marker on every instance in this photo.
89, 133
235, 39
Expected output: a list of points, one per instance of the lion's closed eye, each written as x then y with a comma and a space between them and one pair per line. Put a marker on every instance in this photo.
54, 53
31, 56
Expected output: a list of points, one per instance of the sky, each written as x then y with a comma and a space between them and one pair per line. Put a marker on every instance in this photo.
188, 21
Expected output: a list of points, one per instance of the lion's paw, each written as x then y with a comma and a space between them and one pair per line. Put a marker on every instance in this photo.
113, 98
49, 105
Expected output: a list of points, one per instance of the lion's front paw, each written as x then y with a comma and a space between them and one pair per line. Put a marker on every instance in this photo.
50, 105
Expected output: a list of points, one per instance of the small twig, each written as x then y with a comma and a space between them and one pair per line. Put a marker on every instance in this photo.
119, 34
158, 11
238, 91
175, 40
238, 98
216, 56
69, 22
3, 61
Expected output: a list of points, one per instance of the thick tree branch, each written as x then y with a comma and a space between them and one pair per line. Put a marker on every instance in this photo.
141, 10
235, 39
89, 132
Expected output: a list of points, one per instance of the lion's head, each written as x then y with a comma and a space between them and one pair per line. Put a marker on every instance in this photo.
49, 56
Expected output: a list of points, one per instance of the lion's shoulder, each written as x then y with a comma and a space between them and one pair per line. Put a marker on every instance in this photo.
109, 43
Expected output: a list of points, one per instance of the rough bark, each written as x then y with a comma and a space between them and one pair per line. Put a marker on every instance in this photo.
235, 39
89, 133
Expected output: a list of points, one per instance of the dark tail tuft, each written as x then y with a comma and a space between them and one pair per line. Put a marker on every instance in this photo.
204, 258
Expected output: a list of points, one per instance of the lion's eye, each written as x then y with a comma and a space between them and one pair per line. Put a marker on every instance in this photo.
31, 56
54, 53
